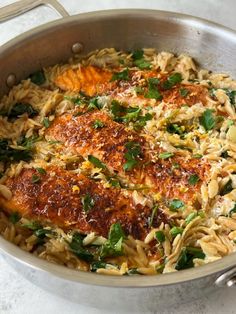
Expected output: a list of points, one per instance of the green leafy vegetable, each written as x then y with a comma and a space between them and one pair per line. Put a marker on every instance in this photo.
224, 154
32, 225
174, 129
137, 54
153, 91
94, 103
176, 230
165, 155
46, 122
184, 92
151, 218
190, 217
41, 170
142, 64
176, 204
42, 233
193, 179
87, 202
76, 246
133, 271
10, 154
172, 80
113, 246
131, 156
227, 188
197, 156
35, 178
124, 75
38, 77
187, 256
20, 108
98, 124
14, 217
232, 211
207, 120
160, 236
96, 162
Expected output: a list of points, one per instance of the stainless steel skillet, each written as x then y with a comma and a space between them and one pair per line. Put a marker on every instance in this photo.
213, 46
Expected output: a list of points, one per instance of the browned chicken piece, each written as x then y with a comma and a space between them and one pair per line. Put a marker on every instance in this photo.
73, 201
108, 144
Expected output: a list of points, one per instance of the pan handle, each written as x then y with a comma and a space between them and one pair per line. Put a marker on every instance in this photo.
227, 279
23, 6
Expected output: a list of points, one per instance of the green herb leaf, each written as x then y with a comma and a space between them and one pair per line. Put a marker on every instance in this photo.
96, 162
98, 124
154, 212
174, 128
14, 217
133, 271
190, 217
32, 225
160, 236
10, 154
87, 202
94, 104
224, 154
207, 120
38, 77
153, 91
172, 80
124, 75
176, 230
187, 256
99, 264
193, 179
176, 204
232, 211
35, 178
142, 64
133, 152
20, 108
46, 122
41, 170
184, 92
227, 188
197, 156
42, 233
76, 246
113, 246
137, 54
165, 155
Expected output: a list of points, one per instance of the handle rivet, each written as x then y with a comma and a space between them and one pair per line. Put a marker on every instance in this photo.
77, 48
11, 80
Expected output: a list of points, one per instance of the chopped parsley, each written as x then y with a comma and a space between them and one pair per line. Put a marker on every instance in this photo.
113, 245
172, 80
8, 153
96, 162
232, 211
87, 202
41, 170
176, 230
139, 60
94, 104
131, 156
193, 179
38, 77
124, 75
207, 120
20, 108
35, 178
15, 217
176, 204
165, 155
175, 129
184, 92
98, 124
153, 91
160, 236
190, 217
187, 256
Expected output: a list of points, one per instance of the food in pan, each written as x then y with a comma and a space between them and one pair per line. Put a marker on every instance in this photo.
120, 163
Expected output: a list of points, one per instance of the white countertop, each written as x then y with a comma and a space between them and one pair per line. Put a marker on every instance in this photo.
17, 295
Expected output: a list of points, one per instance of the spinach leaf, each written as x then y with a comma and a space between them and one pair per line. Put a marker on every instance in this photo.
38, 77
176, 230
76, 246
172, 80
41, 170
10, 154
140, 61
190, 217
35, 178
165, 155
227, 188
32, 225
160, 236
193, 179
232, 211
42, 233
186, 257
15, 217
20, 108
153, 91
174, 128
124, 75
113, 246
176, 204
98, 124
184, 92
207, 120
46, 122
137, 54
